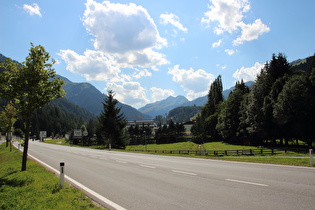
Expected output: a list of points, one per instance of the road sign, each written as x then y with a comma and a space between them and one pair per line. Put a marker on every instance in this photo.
85, 133
77, 133
42, 134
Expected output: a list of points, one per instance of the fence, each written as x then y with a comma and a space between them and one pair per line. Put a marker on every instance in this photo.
248, 152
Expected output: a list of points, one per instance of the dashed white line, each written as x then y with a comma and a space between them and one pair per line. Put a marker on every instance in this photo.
147, 166
184, 172
245, 182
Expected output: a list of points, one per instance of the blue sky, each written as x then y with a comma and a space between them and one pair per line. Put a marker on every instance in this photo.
147, 50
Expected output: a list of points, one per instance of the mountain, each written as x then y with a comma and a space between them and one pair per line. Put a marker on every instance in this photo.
88, 97
164, 106
183, 113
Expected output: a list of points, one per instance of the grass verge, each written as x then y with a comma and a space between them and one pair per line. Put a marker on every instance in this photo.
35, 188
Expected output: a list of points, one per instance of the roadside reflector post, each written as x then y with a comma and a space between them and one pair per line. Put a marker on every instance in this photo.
311, 157
62, 174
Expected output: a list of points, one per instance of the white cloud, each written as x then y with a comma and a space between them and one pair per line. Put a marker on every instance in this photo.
147, 58
196, 83
129, 93
251, 32
217, 44
125, 37
228, 16
32, 9
170, 18
121, 28
141, 73
230, 51
93, 65
160, 94
248, 74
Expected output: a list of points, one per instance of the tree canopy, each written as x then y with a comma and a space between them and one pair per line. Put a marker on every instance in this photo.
30, 86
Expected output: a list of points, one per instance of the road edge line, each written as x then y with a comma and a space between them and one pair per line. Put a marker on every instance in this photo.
108, 203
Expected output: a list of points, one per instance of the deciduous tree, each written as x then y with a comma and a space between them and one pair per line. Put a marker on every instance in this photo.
31, 85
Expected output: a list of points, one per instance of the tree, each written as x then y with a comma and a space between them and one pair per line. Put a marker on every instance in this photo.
263, 96
294, 110
31, 85
112, 122
7, 120
229, 114
209, 112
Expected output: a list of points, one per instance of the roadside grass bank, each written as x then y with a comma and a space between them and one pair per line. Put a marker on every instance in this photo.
35, 188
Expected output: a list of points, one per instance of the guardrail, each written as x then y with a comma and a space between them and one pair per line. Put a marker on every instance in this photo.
247, 152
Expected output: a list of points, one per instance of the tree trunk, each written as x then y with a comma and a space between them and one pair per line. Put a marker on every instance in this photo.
27, 135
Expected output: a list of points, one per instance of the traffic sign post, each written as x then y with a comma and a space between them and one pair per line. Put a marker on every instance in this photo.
311, 157
42, 135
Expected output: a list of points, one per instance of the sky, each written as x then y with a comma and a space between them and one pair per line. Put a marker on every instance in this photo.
148, 50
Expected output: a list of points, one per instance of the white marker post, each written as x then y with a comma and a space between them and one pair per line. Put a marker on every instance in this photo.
311, 157
62, 174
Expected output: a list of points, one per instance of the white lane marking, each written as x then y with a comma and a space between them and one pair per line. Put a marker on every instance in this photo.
147, 166
245, 182
121, 161
81, 186
184, 172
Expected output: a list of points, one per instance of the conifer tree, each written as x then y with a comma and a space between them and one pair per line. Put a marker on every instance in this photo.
112, 122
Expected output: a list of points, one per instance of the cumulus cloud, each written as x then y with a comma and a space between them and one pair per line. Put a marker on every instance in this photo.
170, 18
124, 37
228, 15
121, 28
93, 65
230, 51
248, 74
141, 73
195, 82
159, 93
32, 9
217, 44
129, 92
124, 34
251, 32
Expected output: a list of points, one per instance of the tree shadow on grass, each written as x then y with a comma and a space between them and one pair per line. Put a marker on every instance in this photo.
15, 179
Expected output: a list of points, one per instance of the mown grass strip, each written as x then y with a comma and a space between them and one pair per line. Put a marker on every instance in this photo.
35, 188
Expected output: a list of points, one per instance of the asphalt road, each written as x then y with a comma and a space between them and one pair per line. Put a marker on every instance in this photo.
141, 181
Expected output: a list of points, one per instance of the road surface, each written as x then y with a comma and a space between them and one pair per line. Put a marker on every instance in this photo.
143, 181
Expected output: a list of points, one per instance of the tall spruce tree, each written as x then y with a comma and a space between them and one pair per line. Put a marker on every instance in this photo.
112, 122
209, 114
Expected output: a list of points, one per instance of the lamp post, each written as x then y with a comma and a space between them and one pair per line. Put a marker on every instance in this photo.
145, 141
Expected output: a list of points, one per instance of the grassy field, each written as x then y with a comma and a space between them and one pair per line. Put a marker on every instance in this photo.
35, 188
280, 157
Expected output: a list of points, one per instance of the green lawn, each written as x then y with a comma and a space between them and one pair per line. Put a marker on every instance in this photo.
35, 188
280, 156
